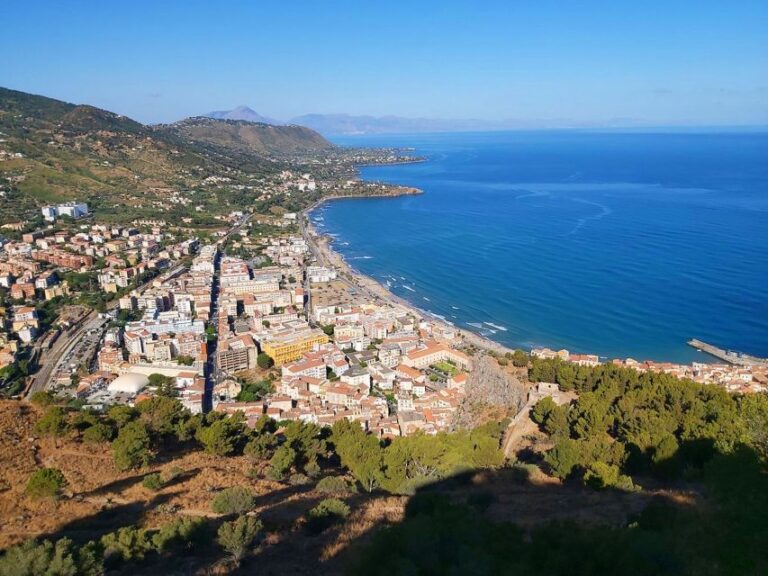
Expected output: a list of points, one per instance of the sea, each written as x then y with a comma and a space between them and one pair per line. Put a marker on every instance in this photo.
616, 244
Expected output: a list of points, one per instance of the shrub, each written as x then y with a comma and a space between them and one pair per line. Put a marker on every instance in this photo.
127, 543
42, 398
325, 514
520, 359
174, 473
237, 536
601, 475
264, 361
46, 483
182, 533
333, 485
99, 432
298, 479
152, 482
234, 500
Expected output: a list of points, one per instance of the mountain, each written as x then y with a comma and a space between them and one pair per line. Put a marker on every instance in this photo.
241, 113
52, 151
242, 135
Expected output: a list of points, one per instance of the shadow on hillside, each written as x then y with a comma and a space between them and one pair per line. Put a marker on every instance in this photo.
115, 486
485, 521
108, 519
506, 495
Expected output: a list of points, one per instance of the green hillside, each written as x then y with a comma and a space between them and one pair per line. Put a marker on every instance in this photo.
56, 151
250, 136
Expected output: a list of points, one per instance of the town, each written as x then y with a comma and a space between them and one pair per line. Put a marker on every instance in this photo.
265, 323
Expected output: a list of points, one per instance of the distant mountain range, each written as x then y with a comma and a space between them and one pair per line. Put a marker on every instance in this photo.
340, 124
348, 124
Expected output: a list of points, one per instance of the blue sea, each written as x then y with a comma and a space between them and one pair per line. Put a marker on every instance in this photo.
618, 244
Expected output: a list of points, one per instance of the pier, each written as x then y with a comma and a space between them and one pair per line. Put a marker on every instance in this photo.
735, 358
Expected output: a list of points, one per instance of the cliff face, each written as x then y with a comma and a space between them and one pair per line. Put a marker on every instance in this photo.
491, 394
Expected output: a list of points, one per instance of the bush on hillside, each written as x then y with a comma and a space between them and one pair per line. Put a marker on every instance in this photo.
234, 500
328, 512
46, 483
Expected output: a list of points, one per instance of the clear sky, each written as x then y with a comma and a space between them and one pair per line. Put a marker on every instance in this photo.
663, 62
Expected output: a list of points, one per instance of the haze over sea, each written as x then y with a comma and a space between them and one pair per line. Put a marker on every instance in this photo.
619, 244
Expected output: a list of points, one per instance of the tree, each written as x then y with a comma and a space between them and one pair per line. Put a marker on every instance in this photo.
46, 483
132, 447
61, 558
264, 361
234, 500
282, 461
254, 391
53, 422
224, 435
121, 414
163, 384
556, 423
260, 447
99, 432
185, 360
128, 543
563, 458
542, 409
162, 414
361, 453
237, 536
329, 329
754, 412
305, 439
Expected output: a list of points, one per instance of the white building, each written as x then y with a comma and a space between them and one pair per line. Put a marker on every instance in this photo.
72, 209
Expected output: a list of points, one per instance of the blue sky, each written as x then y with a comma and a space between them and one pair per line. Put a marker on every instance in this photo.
655, 62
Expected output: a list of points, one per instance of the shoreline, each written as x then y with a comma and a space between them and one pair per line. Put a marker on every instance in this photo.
320, 245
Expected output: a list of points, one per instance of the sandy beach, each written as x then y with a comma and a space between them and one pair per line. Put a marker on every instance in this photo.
320, 244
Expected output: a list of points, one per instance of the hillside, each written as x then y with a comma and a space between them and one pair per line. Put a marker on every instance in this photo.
259, 138
53, 151
100, 499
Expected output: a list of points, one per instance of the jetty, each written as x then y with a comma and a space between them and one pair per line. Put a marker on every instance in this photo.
730, 356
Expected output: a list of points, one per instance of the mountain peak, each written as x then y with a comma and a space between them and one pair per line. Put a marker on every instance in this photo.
242, 112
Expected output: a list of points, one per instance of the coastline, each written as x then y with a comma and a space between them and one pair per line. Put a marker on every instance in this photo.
320, 245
